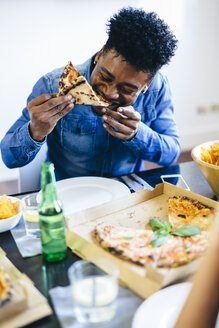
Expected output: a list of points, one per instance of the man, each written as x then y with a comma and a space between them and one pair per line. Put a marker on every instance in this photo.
138, 125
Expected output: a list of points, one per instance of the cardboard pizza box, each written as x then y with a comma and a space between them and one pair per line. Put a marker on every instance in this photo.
27, 304
134, 210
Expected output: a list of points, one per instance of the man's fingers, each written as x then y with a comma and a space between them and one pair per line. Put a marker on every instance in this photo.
124, 129
61, 113
130, 113
119, 134
47, 102
53, 119
123, 112
58, 101
42, 99
120, 123
123, 123
55, 110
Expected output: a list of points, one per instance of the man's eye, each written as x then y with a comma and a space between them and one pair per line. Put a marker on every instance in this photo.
127, 92
106, 79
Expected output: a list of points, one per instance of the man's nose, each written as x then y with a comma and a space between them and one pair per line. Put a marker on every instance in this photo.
111, 92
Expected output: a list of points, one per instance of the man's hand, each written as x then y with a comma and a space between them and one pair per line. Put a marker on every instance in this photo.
45, 111
125, 120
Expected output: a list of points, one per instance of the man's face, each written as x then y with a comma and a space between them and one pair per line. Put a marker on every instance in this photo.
116, 80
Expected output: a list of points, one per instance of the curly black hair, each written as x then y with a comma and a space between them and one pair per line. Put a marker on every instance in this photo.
141, 38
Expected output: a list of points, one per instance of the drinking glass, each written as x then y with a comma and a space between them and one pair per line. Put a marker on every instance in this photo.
94, 290
30, 214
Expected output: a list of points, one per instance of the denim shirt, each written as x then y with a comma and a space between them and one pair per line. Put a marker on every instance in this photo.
80, 146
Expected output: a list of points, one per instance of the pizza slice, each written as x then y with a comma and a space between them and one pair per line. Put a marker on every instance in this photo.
5, 288
134, 245
185, 211
71, 82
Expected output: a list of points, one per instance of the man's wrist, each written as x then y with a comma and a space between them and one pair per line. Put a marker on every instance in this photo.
34, 135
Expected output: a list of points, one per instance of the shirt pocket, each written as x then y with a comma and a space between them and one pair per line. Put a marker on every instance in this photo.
149, 114
78, 133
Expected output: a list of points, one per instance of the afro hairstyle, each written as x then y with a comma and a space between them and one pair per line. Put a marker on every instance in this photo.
141, 38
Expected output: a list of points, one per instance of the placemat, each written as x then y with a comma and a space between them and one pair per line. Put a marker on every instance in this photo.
127, 303
28, 246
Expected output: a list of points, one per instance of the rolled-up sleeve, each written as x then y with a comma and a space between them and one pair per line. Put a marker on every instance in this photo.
17, 146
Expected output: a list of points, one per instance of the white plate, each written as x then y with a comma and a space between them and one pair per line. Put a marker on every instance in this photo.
80, 193
162, 309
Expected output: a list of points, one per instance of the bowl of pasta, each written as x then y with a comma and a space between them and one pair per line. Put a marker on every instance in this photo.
206, 156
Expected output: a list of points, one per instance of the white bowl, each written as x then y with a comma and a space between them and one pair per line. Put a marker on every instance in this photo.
210, 171
9, 223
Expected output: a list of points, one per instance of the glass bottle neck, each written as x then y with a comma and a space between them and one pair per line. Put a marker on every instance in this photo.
48, 183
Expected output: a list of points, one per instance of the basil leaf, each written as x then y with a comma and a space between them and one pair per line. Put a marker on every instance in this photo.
125, 237
159, 238
160, 224
186, 231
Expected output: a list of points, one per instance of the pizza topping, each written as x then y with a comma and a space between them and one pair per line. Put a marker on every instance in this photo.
186, 211
182, 216
160, 237
187, 245
186, 231
159, 224
126, 237
69, 75
73, 86
187, 206
163, 231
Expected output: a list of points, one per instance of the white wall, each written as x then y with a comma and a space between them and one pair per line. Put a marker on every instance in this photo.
194, 71
40, 35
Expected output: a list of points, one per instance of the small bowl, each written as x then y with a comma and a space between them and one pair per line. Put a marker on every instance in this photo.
11, 222
210, 171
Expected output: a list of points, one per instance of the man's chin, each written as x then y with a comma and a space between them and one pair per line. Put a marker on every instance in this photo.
114, 106
97, 110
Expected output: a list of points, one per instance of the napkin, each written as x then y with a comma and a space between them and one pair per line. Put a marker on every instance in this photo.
27, 245
127, 303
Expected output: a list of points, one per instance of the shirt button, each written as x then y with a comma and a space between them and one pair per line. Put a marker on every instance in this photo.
31, 147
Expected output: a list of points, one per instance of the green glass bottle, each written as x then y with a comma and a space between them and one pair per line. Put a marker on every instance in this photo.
51, 218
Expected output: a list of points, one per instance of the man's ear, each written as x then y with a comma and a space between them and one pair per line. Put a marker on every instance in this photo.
146, 86
144, 89
98, 55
